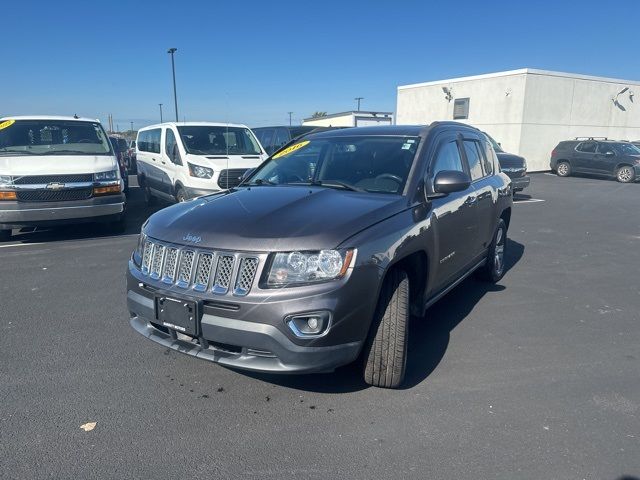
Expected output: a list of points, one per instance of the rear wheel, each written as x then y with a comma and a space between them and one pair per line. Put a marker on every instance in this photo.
563, 169
625, 174
385, 353
149, 199
493, 269
5, 235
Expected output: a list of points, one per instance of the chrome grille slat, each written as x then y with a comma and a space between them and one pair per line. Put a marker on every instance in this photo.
186, 264
246, 274
224, 271
170, 264
218, 272
203, 271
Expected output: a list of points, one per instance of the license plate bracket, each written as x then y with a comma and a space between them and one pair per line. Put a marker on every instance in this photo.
178, 314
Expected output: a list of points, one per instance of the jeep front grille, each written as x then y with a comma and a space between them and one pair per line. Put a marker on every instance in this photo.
201, 270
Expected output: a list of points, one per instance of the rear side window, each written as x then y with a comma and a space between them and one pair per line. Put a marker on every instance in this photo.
149, 140
447, 158
474, 159
587, 147
604, 148
491, 159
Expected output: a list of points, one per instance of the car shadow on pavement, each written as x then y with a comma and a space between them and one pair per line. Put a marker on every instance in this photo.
428, 339
136, 215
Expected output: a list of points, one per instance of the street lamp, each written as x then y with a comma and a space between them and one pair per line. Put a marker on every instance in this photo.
290, 113
357, 99
160, 112
132, 127
171, 51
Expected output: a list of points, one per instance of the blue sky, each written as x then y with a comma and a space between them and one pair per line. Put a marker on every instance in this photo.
253, 61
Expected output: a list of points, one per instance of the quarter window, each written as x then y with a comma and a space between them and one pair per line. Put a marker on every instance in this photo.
604, 148
149, 141
473, 158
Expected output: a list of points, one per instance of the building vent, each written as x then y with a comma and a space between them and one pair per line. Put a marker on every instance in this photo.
460, 108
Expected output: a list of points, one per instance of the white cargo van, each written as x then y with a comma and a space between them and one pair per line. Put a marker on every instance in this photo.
56, 170
180, 161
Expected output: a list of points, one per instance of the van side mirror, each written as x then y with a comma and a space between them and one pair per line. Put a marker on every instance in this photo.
449, 181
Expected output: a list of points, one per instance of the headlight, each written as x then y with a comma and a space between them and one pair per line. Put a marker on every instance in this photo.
200, 172
137, 253
111, 175
5, 180
290, 268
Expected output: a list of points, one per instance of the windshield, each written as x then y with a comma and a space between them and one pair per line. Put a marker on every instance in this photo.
213, 140
51, 137
627, 149
496, 146
361, 163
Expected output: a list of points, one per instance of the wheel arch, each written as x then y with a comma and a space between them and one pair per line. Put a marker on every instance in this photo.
416, 266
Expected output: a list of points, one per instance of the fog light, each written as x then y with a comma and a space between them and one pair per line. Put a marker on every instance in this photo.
312, 324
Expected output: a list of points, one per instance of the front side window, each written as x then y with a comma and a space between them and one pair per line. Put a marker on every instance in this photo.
625, 148
447, 158
587, 147
53, 137
169, 142
364, 163
218, 140
473, 159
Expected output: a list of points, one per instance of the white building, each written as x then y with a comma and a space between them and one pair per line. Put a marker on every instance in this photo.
528, 111
351, 119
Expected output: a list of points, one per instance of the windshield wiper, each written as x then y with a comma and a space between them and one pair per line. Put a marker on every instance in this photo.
55, 152
336, 184
259, 181
13, 152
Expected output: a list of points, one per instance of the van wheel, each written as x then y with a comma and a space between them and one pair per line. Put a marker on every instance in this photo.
385, 353
493, 270
563, 169
180, 195
149, 200
5, 235
625, 174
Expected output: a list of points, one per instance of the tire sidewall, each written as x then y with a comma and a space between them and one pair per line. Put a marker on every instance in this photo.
493, 273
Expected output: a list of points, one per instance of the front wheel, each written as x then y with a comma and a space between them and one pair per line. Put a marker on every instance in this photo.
181, 195
494, 268
385, 353
563, 169
625, 174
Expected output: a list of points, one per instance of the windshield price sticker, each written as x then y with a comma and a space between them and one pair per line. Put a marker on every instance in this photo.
6, 124
291, 149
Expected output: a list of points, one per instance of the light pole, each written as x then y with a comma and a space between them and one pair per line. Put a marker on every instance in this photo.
290, 113
160, 112
131, 127
357, 99
171, 51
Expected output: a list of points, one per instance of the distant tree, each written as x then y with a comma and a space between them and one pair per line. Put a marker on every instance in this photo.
319, 114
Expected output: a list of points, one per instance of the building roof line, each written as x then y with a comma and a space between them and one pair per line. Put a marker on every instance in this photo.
521, 71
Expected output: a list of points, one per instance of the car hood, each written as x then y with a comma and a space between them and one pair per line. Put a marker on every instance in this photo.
509, 160
55, 164
270, 218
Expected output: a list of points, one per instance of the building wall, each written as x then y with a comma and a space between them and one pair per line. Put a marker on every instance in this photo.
529, 111
342, 121
560, 108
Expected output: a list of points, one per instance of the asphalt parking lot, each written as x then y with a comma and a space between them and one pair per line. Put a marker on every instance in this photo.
537, 377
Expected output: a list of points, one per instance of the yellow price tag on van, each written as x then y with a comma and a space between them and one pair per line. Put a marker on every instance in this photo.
291, 149
6, 124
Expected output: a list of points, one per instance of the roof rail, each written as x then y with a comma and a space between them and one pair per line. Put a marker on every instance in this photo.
592, 138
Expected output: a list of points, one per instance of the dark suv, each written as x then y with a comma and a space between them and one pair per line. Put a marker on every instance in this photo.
513, 165
274, 138
597, 156
321, 254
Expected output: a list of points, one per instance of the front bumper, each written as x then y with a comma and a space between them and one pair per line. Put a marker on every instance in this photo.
20, 214
253, 336
520, 183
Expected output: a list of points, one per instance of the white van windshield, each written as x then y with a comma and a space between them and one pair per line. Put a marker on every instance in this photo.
218, 140
52, 137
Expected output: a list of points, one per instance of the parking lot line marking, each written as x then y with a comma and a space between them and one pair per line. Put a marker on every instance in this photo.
529, 200
21, 244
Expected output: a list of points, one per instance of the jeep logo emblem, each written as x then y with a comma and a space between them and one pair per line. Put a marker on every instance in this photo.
192, 238
55, 186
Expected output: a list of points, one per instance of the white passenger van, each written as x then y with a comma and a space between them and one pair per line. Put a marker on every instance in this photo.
56, 170
178, 161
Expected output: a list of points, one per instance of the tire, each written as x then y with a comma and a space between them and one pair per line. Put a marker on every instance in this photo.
563, 169
5, 235
625, 174
494, 268
385, 353
180, 195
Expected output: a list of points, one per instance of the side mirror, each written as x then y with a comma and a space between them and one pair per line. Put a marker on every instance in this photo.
449, 181
247, 173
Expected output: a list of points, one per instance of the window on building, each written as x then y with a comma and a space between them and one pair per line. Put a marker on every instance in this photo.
460, 108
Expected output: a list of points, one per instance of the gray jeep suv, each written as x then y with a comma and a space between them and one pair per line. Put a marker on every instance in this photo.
320, 256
